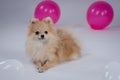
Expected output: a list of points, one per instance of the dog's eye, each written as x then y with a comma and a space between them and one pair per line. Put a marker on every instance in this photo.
37, 32
46, 32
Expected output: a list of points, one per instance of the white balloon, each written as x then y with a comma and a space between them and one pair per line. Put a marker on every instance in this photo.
112, 71
11, 70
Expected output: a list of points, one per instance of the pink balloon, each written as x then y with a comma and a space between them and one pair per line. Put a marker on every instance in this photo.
100, 15
47, 8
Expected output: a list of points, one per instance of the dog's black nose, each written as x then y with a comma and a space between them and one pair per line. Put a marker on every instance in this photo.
42, 36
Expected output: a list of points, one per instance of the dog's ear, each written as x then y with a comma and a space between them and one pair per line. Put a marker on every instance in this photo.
48, 20
34, 20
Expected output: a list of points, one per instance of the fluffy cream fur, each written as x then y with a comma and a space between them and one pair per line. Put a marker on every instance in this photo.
57, 45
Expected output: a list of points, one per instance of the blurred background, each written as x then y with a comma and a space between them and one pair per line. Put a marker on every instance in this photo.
73, 12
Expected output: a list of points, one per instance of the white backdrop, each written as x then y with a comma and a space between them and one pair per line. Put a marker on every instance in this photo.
15, 15
73, 12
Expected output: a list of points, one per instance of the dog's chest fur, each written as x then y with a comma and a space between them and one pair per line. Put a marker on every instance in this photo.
38, 49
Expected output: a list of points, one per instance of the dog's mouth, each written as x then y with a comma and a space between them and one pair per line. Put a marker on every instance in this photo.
41, 38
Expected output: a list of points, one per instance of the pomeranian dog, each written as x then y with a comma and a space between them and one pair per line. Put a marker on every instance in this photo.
48, 46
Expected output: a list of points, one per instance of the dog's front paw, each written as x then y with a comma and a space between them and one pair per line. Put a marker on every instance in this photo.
40, 70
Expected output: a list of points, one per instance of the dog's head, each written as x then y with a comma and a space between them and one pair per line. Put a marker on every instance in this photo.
41, 30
